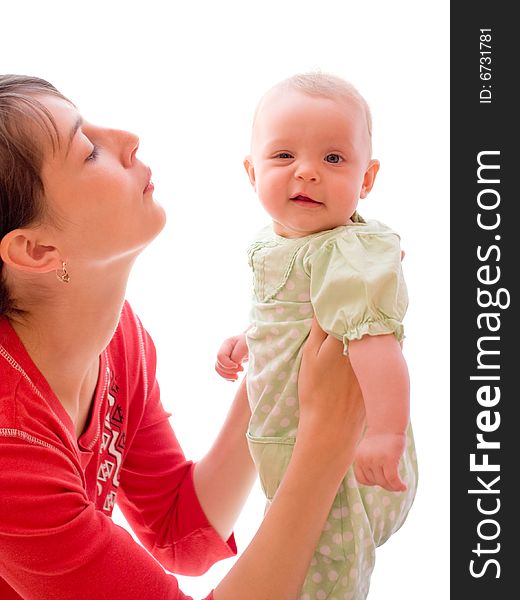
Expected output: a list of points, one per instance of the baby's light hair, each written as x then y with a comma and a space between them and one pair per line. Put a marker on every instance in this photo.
324, 85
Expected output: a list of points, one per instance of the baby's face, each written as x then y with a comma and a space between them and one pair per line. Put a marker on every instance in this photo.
310, 161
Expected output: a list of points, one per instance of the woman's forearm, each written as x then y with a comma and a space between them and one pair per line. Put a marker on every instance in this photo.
274, 565
276, 562
224, 476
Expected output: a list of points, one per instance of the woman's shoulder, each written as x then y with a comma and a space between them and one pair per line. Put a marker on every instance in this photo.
130, 329
131, 346
30, 412
17, 371
10, 374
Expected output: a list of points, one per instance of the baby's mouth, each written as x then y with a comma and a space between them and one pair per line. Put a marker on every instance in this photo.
303, 200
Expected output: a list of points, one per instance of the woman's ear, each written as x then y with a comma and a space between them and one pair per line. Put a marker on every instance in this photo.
369, 178
23, 249
250, 170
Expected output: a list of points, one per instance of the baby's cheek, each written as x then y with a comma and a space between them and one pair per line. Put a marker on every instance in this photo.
270, 198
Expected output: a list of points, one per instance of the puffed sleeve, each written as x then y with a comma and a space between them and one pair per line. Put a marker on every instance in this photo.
357, 285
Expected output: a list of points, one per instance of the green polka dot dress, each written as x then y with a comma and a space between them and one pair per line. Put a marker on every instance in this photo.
351, 278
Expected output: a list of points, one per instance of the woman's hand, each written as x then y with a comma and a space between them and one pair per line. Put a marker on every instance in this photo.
331, 403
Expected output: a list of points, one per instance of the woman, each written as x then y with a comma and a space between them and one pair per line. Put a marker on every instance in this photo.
80, 414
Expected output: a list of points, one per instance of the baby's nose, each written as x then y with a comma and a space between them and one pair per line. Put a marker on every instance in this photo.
307, 172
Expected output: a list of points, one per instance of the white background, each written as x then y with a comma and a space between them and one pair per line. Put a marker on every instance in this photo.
186, 77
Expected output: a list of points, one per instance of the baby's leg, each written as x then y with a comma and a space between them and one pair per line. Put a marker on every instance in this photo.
361, 519
345, 555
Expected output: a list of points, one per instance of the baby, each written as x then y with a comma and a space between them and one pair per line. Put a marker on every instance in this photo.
310, 163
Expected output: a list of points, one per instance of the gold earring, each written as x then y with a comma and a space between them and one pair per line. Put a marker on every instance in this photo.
63, 275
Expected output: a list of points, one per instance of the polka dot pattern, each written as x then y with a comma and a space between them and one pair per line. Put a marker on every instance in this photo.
361, 518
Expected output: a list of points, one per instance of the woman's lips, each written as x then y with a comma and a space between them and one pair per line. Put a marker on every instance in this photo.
149, 187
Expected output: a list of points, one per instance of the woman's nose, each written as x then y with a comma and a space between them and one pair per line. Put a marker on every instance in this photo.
129, 143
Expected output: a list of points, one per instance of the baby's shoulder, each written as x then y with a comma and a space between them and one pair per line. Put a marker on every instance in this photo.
355, 239
370, 227
366, 229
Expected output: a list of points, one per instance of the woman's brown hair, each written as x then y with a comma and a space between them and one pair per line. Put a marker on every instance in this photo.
21, 157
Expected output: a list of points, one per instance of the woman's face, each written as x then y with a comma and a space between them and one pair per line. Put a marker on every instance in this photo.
98, 193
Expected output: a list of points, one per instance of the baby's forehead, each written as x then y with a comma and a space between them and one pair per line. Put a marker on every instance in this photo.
335, 118
276, 108
277, 100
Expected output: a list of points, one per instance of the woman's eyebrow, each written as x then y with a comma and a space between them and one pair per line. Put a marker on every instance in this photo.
77, 124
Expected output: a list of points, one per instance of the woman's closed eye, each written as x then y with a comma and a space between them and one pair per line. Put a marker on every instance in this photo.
93, 155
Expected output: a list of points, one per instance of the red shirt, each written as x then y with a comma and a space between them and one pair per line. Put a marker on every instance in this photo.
57, 538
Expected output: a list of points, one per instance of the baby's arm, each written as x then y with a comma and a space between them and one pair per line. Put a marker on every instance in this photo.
382, 373
230, 357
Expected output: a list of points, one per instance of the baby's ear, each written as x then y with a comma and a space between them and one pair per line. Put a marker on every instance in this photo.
250, 170
370, 177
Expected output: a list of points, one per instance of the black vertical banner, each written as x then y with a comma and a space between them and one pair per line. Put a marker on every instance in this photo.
485, 268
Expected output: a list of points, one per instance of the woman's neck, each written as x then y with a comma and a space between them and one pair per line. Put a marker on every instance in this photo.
66, 335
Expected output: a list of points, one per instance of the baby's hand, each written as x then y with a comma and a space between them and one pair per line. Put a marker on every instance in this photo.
377, 460
230, 357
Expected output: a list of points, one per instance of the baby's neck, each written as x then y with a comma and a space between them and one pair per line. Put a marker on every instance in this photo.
291, 233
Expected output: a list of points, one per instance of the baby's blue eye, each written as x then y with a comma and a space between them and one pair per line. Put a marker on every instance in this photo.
333, 158
284, 155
